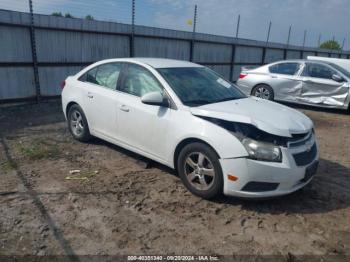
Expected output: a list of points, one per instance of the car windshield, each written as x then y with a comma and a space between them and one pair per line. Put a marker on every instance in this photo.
196, 86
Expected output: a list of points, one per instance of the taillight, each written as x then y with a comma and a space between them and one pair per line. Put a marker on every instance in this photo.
63, 83
242, 75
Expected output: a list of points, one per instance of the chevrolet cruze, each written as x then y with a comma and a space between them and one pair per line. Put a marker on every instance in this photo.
187, 117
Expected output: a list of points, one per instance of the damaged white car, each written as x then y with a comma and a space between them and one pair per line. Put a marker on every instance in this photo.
187, 117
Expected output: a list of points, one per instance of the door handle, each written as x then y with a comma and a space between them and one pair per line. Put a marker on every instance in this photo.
89, 95
273, 76
124, 108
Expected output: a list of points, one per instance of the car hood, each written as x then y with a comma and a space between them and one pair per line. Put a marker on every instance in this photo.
267, 116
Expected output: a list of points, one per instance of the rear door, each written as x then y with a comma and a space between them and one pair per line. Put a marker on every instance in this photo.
101, 101
285, 80
319, 87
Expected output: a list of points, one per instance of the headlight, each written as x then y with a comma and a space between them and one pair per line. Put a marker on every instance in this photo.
262, 151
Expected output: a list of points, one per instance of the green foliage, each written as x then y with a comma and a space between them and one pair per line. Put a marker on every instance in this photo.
330, 44
89, 17
57, 14
68, 15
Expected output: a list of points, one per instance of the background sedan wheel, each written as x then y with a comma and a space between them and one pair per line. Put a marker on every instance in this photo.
263, 91
77, 124
200, 171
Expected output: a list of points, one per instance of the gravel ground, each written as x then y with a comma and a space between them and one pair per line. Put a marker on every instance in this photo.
118, 205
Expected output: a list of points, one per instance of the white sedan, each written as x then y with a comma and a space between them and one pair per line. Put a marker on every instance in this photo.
187, 117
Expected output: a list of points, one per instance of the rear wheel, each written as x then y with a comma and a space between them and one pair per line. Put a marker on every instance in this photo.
200, 170
263, 91
77, 124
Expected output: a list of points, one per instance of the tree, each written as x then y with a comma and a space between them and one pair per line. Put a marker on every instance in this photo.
68, 15
89, 17
57, 14
330, 44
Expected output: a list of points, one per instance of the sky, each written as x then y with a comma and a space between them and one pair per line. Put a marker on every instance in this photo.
330, 18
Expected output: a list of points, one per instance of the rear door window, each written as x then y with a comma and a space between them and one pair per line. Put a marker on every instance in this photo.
105, 75
285, 68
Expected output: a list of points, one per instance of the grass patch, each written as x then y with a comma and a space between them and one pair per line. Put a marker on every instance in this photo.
40, 149
8, 166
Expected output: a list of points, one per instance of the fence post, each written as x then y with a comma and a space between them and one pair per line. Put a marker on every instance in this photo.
193, 33
286, 49
232, 61
237, 29
34, 54
302, 51
132, 37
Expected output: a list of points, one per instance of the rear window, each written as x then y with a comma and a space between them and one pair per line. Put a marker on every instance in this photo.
285, 68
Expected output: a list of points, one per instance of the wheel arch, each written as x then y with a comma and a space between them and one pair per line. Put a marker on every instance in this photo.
185, 142
69, 105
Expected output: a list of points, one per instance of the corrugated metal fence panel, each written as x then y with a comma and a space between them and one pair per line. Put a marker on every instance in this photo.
292, 54
273, 55
16, 82
306, 54
223, 70
245, 54
51, 78
205, 52
323, 54
61, 46
150, 47
15, 44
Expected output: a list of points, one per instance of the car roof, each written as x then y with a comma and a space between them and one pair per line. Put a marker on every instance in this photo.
302, 60
156, 62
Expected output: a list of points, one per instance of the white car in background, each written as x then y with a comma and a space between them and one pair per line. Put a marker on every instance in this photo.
187, 117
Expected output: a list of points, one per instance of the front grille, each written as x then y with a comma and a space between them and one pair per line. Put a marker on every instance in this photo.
301, 141
259, 186
306, 157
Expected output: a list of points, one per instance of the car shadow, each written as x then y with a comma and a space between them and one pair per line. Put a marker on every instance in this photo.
329, 190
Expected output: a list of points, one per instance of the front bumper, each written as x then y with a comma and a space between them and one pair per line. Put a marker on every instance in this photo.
287, 176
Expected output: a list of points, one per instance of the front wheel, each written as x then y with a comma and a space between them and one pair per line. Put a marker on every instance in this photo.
200, 170
263, 91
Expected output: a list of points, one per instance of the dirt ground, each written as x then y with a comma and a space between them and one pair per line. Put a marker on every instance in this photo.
118, 205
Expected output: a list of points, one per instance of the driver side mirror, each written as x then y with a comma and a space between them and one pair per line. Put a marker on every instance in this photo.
338, 78
155, 99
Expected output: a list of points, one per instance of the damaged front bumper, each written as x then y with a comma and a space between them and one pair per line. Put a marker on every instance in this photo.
260, 179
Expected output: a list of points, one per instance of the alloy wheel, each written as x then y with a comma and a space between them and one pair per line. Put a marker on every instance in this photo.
263, 93
199, 171
76, 123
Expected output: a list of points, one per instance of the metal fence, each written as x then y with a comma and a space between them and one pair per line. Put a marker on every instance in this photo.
38, 51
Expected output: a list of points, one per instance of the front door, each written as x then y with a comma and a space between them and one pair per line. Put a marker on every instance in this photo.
143, 127
320, 88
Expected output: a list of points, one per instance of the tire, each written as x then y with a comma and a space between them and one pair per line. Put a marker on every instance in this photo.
201, 178
263, 91
77, 124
